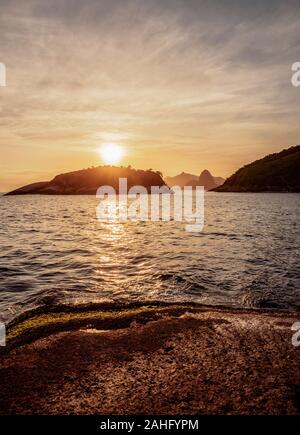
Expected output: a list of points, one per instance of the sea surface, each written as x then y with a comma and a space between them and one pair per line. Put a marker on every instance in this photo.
54, 251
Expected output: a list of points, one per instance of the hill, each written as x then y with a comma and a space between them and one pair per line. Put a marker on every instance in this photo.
277, 172
87, 181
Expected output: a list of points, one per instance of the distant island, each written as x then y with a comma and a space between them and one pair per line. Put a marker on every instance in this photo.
279, 172
87, 181
205, 179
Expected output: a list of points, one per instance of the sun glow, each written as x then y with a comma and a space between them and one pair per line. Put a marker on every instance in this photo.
111, 153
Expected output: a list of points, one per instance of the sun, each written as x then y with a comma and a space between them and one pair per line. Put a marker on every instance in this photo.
111, 153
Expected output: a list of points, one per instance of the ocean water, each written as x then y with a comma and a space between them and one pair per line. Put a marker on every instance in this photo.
54, 250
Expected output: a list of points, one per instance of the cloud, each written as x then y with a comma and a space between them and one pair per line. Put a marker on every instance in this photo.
188, 73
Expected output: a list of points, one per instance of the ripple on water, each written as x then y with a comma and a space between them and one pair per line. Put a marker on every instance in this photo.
54, 250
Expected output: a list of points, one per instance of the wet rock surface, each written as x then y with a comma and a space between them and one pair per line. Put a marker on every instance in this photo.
212, 362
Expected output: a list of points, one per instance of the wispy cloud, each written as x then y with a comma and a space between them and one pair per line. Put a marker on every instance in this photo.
182, 75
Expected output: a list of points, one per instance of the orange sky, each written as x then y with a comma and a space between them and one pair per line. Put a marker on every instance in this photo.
182, 86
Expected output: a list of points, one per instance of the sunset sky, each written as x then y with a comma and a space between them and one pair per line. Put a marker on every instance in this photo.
180, 85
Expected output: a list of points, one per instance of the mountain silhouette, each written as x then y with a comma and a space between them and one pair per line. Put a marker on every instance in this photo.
277, 172
206, 180
186, 179
87, 181
180, 180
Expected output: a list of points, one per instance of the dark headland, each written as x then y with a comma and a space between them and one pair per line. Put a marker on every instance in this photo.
153, 359
87, 181
279, 172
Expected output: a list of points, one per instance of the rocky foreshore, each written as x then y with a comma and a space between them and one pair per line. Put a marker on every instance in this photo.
176, 359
